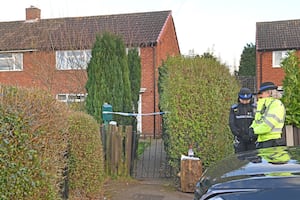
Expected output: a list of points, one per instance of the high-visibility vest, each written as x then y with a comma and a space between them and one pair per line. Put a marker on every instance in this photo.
269, 119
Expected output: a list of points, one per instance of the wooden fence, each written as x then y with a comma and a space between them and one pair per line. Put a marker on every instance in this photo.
291, 134
118, 149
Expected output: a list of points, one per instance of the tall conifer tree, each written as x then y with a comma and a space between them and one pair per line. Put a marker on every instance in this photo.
134, 64
248, 61
108, 78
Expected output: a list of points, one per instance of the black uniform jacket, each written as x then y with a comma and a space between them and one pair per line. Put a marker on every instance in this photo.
240, 118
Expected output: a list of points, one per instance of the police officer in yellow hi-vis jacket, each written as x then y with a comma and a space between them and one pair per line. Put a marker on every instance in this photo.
269, 117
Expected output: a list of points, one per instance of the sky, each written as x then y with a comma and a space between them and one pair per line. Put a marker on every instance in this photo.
221, 27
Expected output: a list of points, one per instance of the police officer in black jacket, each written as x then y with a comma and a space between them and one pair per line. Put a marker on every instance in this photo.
240, 118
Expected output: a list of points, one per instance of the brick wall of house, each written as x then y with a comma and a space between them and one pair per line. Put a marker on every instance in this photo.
39, 71
147, 82
28, 77
167, 46
265, 71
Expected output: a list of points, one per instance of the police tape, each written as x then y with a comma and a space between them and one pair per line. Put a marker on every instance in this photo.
134, 114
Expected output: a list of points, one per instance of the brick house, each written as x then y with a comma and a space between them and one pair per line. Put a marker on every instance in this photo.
273, 40
52, 54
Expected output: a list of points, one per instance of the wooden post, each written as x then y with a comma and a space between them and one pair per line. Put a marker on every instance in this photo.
289, 135
296, 136
128, 149
190, 172
114, 150
118, 158
119, 151
108, 149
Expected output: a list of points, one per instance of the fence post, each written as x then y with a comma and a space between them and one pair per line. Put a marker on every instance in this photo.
296, 131
116, 146
118, 151
289, 135
128, 149
108, 148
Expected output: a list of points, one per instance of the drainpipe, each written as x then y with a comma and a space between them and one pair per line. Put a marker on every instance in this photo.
260, 61
154, 88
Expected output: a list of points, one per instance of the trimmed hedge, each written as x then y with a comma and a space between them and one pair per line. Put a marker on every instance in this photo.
86, 161
44, 145
32, 143
291, 88
197, 94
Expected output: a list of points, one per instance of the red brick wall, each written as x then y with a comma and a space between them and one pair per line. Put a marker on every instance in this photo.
166, 46
25, 78
265, 71
33, 13
147, 82
39, 71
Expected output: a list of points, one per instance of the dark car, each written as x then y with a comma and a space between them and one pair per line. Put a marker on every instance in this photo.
269, 173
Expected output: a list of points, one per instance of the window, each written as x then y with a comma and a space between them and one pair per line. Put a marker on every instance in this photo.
138, 49
71, 98
278, 56
11, 61
67, 60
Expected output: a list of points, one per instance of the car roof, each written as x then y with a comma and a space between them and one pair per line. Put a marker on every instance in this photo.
265, 163
252, 173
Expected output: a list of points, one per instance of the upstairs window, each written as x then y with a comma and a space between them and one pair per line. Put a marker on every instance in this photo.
278, 56
70, 60
11, 61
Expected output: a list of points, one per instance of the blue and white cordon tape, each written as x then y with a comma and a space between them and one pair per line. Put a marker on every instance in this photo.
134, 114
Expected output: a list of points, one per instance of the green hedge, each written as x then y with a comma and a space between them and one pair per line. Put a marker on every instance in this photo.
32, 142
291, 89
86, 161
41, 140
197, 94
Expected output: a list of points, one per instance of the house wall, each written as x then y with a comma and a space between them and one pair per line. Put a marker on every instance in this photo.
39, 71
152, 58
265, 71
24, 78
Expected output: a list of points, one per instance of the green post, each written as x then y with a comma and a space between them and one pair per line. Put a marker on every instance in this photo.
107, 117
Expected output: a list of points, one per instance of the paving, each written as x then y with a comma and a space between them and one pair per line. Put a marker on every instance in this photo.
149, 190
151, 180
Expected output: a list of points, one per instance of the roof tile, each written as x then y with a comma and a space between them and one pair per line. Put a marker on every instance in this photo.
278, 35
136, 29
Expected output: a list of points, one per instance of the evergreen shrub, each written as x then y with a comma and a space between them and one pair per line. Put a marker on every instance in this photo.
197, 94
32, 144
86, 161
291, 89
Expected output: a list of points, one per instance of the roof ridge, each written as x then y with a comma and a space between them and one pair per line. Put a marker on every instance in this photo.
136, 29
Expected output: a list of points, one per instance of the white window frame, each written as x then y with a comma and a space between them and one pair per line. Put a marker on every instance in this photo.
72, 60
277, 58
138, 49
71, 98
11, 61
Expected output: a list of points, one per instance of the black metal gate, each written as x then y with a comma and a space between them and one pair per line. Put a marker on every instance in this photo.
152, 161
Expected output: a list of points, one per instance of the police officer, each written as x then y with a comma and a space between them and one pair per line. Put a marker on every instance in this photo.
269, 117
240, 118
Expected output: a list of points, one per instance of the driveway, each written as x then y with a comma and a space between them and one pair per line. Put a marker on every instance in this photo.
151, 181
145, 190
